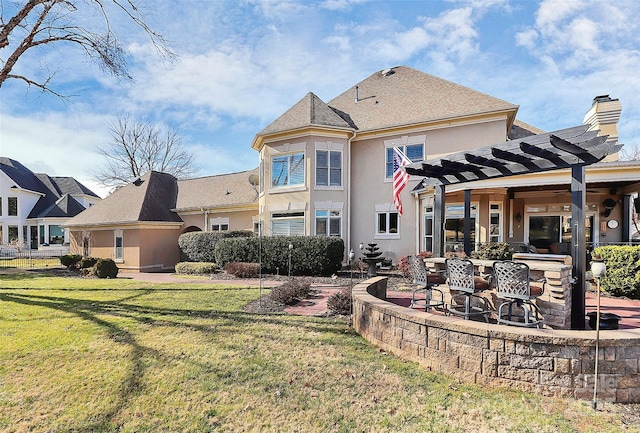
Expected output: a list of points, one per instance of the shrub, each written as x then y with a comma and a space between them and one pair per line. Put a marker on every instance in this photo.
242, 269
623, 270
195, 268
105, 268
70, 260
87, 262
340, 303
493, 251
200, 246
311, 255
291, 291
405, 267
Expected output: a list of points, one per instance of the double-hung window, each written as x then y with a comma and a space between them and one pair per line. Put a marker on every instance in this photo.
328, 168
287, 170
12, 204
118, 253
415, 152
219, 224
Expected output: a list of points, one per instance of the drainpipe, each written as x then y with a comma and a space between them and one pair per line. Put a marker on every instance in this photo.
348, 243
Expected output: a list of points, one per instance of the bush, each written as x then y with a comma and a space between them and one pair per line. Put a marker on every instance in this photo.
88, 262
493, 251
623, 270
311, 255
200, 246
195, 268
70, 260
340, 303
105, 268
242, 269
291, 291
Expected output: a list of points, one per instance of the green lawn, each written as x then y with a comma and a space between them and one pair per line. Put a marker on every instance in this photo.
85, 355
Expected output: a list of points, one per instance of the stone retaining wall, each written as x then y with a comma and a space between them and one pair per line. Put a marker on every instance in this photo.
547, 361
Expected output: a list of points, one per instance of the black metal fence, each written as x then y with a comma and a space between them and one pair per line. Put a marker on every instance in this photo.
31, 259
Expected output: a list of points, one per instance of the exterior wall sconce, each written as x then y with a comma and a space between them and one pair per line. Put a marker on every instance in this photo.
519, 217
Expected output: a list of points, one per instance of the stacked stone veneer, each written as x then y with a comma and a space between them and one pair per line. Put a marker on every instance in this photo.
547, 361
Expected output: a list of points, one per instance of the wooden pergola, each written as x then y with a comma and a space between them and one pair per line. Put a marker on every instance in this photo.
573, 148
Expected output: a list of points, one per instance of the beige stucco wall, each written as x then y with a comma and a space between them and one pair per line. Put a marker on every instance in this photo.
238, 219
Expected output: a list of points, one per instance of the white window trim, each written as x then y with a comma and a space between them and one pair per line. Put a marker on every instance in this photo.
386, 208
329, 146
500, 213
118, 233
400, 142
291, 150
328, 219
219, 221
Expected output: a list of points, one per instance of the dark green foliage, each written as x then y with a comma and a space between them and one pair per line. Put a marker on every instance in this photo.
200, 246
493, 251
291, 292
70, 261
340, 303
242, 269
623, 270
310, 255
87, 262
195, 268
105, 268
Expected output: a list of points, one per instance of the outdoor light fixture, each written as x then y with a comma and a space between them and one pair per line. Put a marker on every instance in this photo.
352, 256
290, 250
598, 270
519, 217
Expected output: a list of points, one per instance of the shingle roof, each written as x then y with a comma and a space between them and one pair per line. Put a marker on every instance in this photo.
233, 189
147, 199
404, 96
309, 111
65, 206
52, 188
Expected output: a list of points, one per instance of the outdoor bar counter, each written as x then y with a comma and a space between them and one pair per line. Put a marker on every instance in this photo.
548, 361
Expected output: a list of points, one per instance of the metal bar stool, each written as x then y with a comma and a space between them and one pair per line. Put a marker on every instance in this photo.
513, 285
463, 281
426, 280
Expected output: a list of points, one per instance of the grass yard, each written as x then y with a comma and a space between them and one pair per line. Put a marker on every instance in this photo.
86, 355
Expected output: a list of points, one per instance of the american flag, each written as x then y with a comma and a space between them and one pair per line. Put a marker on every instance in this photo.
400, 177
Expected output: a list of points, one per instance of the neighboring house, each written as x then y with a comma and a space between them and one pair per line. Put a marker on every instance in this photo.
139, 224
35, 206
325, 169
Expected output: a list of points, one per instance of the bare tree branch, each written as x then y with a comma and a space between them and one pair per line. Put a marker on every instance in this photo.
138, 147
41, 23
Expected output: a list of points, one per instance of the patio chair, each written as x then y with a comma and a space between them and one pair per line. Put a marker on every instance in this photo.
426, 280
513, 285
463, 285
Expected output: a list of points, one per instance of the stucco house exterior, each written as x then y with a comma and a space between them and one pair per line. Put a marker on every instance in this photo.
325, 169
35, 206
139, 224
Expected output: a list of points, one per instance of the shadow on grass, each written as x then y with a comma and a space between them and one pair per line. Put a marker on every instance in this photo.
90, 310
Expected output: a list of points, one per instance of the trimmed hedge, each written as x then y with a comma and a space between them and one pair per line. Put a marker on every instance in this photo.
311, 255
242, 269
70, 260
200, 246
291, 292
623, 270
105, 268
196, 268
493, 251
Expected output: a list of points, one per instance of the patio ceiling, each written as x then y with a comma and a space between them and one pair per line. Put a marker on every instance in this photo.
564, 148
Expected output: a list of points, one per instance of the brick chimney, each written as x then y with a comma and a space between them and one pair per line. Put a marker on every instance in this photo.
604, 115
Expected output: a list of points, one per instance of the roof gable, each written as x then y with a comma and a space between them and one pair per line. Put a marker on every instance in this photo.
309, 111
65, 207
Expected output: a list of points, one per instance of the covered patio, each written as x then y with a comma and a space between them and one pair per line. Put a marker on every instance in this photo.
567, 149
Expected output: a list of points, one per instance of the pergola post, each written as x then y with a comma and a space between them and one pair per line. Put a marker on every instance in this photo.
438, 221
467, 222
578, 246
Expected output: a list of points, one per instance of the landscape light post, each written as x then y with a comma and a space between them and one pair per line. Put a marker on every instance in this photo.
598, 270
290, 251
352, 255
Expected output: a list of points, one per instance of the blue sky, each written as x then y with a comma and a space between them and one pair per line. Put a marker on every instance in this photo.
241, 64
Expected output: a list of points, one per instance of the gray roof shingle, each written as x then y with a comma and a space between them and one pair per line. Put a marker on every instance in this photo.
225, 190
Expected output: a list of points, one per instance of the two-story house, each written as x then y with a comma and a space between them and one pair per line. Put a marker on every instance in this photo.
326, 169
34, 206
